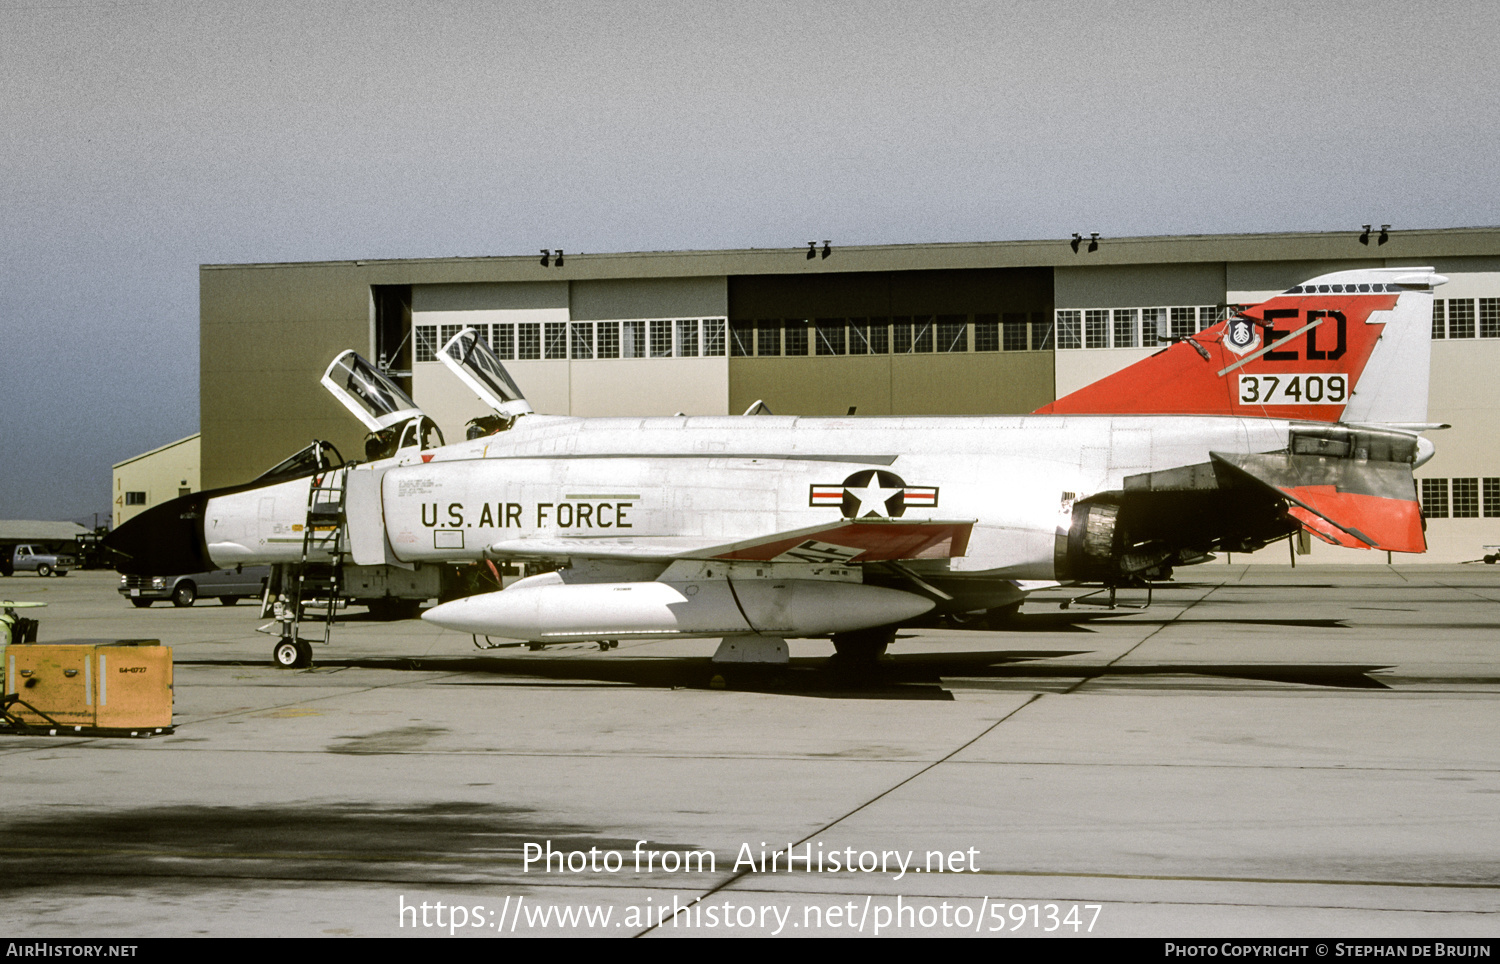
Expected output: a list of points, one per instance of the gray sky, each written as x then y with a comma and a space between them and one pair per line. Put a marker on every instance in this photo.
141, 139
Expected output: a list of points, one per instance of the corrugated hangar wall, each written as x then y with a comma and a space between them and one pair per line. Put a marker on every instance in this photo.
953, 379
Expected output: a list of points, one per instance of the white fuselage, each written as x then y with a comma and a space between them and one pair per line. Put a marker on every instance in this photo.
732, 478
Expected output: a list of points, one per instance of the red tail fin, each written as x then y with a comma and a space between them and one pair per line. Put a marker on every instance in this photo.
1353, 346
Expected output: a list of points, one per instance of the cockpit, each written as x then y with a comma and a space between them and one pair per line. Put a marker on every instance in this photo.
395, 422
467, 356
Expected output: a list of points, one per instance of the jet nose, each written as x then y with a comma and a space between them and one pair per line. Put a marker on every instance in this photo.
165, 540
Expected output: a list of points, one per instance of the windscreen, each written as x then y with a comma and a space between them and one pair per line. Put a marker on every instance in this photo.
316, 457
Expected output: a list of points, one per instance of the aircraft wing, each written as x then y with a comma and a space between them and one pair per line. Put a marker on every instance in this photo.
845, 541
1354, 503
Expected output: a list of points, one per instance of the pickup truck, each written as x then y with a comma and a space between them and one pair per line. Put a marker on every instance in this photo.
36, 559
229, 586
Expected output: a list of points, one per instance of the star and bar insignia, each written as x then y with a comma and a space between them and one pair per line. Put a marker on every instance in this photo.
873, 492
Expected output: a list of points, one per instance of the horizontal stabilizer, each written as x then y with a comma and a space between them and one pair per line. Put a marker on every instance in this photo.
846, 541
1357, 503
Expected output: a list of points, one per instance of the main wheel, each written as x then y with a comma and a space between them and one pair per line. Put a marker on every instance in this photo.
863, 645
292, 653
140, 603
184, 594
44, 570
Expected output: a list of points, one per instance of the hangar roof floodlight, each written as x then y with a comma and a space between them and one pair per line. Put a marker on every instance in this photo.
1093, 241
827, 248
1077, 239
559, 257
1385, 235
546, 257
1364, 237
812, 250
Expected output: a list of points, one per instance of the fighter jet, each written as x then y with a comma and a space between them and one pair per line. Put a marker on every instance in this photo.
1300, 413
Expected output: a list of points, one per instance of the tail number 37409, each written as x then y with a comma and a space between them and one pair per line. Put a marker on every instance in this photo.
1294, 389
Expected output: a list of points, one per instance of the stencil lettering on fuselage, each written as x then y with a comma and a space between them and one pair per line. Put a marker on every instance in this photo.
538, 515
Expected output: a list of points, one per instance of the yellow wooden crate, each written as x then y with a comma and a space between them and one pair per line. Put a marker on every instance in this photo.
114, 685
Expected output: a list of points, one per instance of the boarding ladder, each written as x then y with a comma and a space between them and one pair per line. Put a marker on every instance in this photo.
320, 583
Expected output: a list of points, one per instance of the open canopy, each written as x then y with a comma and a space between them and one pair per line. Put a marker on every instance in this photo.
372, 397
468, 357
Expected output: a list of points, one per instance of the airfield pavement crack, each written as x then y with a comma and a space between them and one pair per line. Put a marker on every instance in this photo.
1468, 591
730, 881
1146, 638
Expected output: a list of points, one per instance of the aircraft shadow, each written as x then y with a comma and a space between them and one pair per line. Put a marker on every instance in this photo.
902, 676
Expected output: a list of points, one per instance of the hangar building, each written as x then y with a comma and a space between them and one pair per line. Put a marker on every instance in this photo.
981, 328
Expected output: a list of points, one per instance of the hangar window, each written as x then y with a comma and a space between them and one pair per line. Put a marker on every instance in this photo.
1013, 331
829, 336
1492, 498
607, 335
632, 339
424, 339
796, 336
661, 339
583, 339
1439, 320
859, 336
901, 334
1461, 318
1096, 328
1435, 498
1129, 327
1070, 329
713, 336
135, 498
503, 341
986, 332
952, 333
687, 338
1153, 326
556, 344
529, 340
446, 333
869, 336
741, 339
768, 337
921, 333
1041, 331
1465, 498
1489, 317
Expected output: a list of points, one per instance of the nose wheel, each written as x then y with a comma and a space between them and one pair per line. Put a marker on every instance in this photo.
292, 653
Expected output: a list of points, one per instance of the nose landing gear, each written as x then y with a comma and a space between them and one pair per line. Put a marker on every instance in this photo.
292, 653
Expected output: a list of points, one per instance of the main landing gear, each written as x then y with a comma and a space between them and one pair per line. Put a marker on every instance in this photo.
292, 653
863, 647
